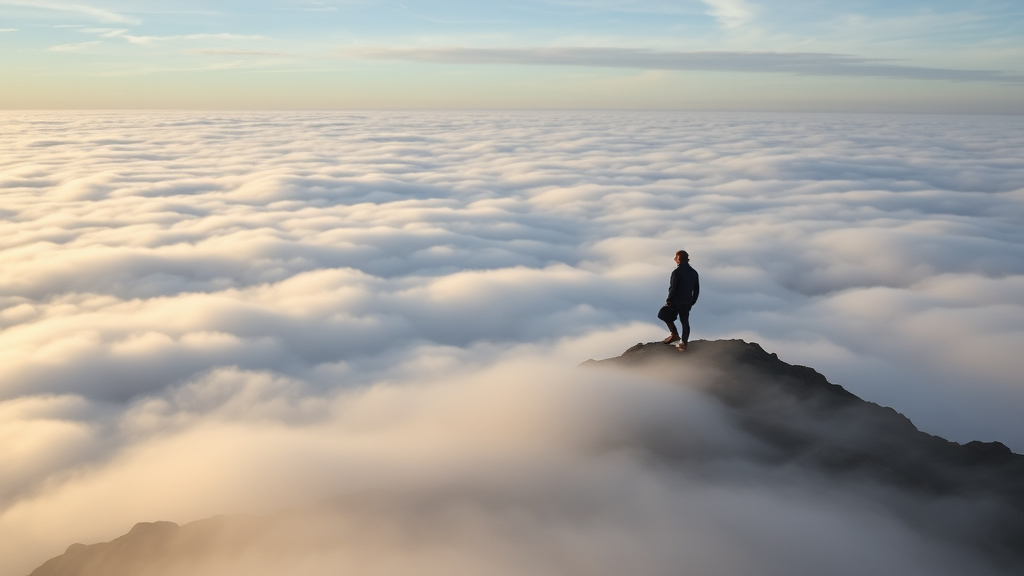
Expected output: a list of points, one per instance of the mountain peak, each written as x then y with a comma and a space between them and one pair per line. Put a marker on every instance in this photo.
754, 382
811, 423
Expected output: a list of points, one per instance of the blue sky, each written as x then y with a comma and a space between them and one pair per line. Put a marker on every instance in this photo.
936, 56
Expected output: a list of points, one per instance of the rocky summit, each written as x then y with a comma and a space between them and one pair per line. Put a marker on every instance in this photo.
804, 421
809, 421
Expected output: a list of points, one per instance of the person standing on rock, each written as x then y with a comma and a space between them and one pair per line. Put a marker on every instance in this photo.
683, 290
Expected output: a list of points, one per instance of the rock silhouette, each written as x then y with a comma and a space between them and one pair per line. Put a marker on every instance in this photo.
809, 420
968, 495
811, 423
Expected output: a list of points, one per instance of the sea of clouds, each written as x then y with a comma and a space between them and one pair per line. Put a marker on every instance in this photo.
206, 313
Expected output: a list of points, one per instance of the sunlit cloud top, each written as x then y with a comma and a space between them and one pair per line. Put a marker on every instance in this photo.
750, 54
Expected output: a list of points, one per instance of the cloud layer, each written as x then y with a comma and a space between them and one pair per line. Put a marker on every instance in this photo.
192, 301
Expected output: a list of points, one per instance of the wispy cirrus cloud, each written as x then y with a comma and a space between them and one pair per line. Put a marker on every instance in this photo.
229, 52
100, 14
123, 33
800, 63
731, 13
77, 47
218, 36
317, 7
106, 32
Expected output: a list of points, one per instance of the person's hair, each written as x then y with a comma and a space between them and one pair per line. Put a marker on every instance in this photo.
683, 255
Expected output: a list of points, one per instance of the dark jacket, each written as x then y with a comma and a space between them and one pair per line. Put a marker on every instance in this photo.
683, 288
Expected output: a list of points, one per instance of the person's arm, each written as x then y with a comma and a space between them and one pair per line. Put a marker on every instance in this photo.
696, 287
673, 285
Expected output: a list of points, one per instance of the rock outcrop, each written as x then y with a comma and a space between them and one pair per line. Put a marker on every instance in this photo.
815, 425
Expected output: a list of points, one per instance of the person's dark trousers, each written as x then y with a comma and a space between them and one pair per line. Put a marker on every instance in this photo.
668, 315
684, 321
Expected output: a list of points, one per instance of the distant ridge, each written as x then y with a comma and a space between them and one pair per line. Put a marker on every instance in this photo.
802, 421
150, 545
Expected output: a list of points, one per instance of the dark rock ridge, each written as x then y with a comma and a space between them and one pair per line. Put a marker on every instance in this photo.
805, 417
969, 495
811, 424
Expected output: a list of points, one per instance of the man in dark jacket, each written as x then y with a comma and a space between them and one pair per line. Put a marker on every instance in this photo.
683, 290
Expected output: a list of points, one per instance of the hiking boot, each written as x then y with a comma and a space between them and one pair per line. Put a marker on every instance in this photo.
671, 338
681, 346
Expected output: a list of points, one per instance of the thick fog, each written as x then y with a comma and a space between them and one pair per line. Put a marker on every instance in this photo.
213, 313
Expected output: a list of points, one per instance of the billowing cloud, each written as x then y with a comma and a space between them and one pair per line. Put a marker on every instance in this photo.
220, 312
522, 466
804, 64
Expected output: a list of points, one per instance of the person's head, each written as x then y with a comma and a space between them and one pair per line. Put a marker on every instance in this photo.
682, 256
